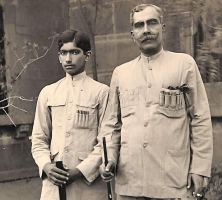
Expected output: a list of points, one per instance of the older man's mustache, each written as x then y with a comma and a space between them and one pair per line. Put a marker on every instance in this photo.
148, 37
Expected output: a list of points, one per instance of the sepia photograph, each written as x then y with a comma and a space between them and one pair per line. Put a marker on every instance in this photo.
110, 100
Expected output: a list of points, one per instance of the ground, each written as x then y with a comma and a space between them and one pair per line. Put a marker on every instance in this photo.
27, 189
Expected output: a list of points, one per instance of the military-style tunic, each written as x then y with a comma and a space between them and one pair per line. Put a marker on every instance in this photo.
159, 143
68, 117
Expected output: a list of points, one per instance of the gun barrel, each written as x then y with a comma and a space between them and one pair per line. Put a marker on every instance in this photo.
106, 162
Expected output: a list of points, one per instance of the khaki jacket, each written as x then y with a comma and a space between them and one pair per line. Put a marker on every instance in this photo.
68, 117
159, 144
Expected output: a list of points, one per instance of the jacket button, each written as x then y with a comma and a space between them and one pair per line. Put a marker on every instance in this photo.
149, 85
144, 145
145, 124
69, 118
66, 150
70, 101
147, 104
68, 134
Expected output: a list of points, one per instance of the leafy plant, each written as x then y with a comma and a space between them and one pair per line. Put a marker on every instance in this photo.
207, 64
214, 189
24, 57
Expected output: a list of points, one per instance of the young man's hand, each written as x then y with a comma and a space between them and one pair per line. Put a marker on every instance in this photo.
55, 175
74, 174
107, 172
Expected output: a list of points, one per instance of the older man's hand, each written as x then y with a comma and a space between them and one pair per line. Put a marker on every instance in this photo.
199, 184
107, 172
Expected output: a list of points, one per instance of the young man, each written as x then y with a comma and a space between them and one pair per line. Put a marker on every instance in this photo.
159, 108
67, 121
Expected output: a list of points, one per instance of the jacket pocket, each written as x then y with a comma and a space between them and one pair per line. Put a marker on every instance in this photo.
122, 167
128, 101
57, 108
86, 115
127, 111
171, 103
176, 167
128, 97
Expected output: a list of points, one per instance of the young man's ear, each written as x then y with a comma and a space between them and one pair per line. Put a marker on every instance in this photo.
59, 58
88, 55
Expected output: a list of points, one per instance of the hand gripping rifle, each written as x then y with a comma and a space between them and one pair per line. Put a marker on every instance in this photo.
62, 189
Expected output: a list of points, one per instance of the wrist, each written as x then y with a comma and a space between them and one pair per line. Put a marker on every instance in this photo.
45, 167
75, 174
79, 175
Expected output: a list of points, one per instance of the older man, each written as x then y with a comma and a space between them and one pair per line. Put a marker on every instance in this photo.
157, 119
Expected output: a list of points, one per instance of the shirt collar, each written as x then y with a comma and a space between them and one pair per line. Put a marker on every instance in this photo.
76, 77
150, 58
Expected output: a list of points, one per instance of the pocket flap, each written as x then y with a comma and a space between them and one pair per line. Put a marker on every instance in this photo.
127, 111
87, 104
171, 113
83, 155
58, 102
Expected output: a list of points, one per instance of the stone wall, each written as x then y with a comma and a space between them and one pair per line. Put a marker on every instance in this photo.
29, 26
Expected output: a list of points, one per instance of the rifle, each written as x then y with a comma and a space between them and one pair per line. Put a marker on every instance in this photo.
62, 189
106, 162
